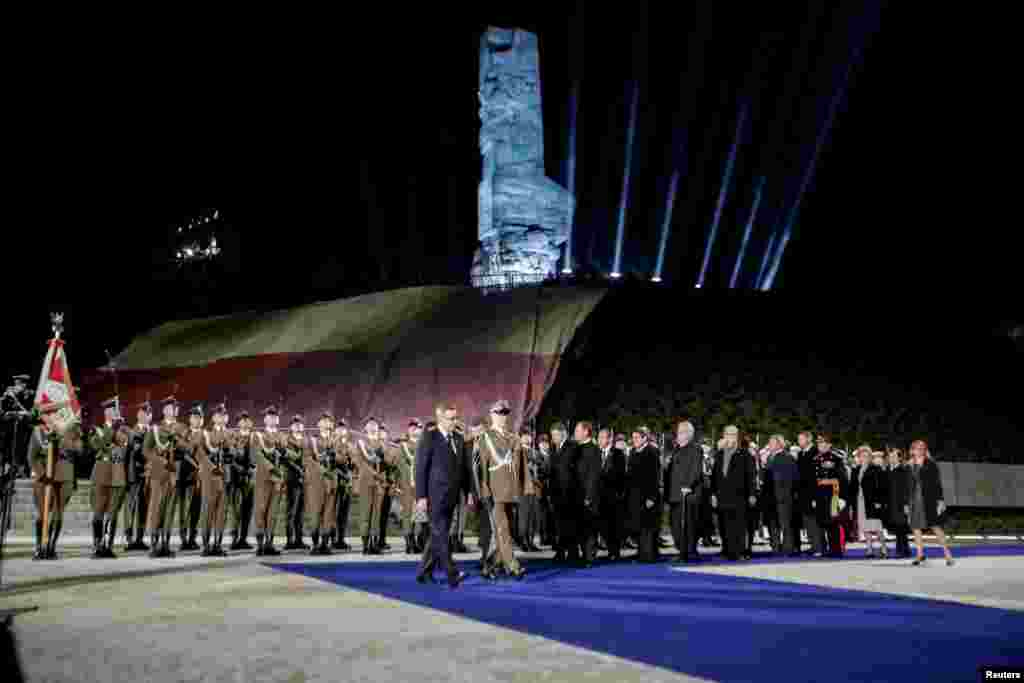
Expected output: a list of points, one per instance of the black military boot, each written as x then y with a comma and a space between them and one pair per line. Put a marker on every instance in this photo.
218, 549
366, 545
154, 544
206, 544
51, 548
111, 533
316, 543
259, 545
235, 545
192, 534
165, 547
40, 551
325, 544
243, 542
269, 548
410, 548
97, 538
139, 544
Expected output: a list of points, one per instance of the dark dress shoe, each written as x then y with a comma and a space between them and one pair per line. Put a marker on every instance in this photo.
455, 579
425, 578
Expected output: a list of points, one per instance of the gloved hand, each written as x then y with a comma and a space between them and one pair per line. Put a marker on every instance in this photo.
942, 506
752, 500
814, 504
687, 491
649, 503
714, 501
906, 510
842, 504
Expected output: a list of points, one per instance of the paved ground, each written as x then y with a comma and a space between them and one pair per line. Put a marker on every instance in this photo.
238, 620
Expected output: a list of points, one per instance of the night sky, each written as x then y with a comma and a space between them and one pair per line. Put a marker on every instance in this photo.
342, 155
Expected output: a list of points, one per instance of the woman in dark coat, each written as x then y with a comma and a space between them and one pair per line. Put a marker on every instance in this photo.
899, 486
926, 508
869, 497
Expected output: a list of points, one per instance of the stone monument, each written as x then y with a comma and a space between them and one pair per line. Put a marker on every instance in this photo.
525, 217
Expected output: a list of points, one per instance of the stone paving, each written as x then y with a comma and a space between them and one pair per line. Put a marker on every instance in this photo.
238, 620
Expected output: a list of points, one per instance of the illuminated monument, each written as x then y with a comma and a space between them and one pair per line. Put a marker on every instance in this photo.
525, 217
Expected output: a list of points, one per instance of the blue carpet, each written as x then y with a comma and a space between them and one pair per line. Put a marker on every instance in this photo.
723, 628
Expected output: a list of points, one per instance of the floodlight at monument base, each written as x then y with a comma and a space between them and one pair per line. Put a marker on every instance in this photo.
616, 276
655, 279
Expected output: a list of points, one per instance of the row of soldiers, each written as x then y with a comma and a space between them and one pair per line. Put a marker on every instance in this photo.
195, 474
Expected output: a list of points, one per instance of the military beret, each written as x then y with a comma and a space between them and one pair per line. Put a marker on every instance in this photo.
501, 407
110, 403
342, 423
732, 430
298, 419
197, 409
326, 416
559, 427
384, 428
145, 406
270, 410
430, 425
221, 409
171, 401
244, 415
415, 423
369, 420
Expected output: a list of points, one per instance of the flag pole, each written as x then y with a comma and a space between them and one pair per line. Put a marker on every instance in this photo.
57, 320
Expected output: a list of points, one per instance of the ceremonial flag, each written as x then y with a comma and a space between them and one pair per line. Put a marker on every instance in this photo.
55, 390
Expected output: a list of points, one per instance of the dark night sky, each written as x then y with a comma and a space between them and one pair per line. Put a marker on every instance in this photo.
342, 153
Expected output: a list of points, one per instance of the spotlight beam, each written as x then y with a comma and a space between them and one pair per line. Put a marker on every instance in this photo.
722, 194
669, 203
624, 199
767, 258
809, 172
746, 233
570, 174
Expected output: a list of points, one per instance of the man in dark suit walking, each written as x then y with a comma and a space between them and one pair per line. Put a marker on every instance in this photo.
732, 486
563, 479
588, 486
442, 475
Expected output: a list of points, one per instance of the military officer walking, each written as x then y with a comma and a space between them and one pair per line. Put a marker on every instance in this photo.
503, 462
68, 442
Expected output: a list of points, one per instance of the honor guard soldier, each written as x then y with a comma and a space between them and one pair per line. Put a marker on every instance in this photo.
109, 479
295, 451
529, 504
369, 458
163, 448
269, 480
830, 493
16, 427
412, 523
503, 463
68, 443
188, 501
392, 488
137, 495
344, 474
322, 484
214, 462
240, 484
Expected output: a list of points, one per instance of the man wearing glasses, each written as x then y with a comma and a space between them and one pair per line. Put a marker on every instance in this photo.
442, 475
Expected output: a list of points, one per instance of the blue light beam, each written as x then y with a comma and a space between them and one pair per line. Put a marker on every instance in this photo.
767, 258
570, 173
809, 174
624, 200
669, 203
746, 233
722, 194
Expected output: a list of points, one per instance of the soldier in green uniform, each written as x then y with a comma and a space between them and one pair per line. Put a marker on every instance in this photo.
322, 484
269, 480
369, 459
503, 463
137, 495
389, 467
344, 472
407, 485
68, 443
213, 468
240, 484
187, 493
109, 479
163, 448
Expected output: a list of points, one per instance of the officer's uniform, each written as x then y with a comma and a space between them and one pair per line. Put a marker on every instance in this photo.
217, 443
136, 494
369, 459
322, 489
188, 496
161, 448
240, 484
344, 474
294, 502
503, 463
269, 484
67, 448
109, 482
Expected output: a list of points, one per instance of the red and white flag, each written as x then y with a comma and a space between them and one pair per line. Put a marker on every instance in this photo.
55, 390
